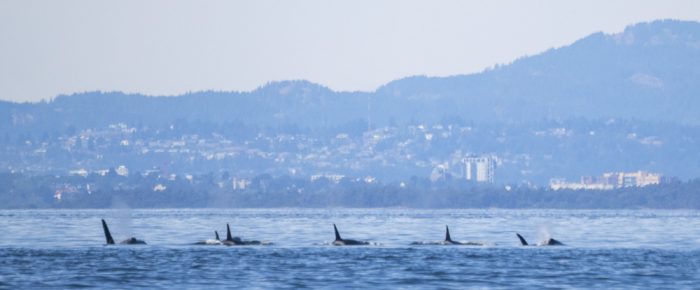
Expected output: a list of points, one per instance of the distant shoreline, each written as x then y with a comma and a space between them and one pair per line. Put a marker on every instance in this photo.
103, 192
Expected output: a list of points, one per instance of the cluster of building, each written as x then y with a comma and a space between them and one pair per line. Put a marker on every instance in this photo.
609, 181
393, 153
410, 150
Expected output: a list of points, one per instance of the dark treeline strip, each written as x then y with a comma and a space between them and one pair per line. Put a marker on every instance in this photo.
26, 192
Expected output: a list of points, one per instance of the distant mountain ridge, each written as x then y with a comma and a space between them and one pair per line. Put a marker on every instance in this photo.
650, 71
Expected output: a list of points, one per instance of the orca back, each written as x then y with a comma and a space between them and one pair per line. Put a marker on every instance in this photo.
133, 241
553, 242
108, 235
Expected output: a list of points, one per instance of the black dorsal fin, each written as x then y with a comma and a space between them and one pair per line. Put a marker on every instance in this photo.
447, 234
228, 233
217, 235
337, 234
522, 240
108, 235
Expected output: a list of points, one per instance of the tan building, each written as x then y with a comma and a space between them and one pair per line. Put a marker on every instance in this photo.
608, 181
627, 179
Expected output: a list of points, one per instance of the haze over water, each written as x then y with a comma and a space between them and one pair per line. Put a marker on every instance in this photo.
641, 248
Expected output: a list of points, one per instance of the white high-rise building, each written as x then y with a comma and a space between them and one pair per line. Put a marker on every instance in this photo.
480, 168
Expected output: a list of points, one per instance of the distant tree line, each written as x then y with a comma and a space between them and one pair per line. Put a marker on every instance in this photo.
19, 191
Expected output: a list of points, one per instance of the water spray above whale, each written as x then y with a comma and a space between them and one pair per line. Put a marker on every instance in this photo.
216, 241
546, 242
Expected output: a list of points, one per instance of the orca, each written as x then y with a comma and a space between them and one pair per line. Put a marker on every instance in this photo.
236, 241
110, 240
346, 242
547, 242
448, 240
214, 242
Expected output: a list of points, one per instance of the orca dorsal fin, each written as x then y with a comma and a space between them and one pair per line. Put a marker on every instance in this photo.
337, 234
523, 242
216, 234
108, 235
447, 234
228, 233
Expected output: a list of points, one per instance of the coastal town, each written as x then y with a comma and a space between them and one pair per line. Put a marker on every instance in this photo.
390, 154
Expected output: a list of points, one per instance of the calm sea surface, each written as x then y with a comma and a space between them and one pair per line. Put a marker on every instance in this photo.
604, 249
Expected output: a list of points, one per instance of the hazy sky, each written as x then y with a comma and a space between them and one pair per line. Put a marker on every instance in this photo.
173, 46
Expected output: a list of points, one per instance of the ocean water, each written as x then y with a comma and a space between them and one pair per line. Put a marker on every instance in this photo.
604, 249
